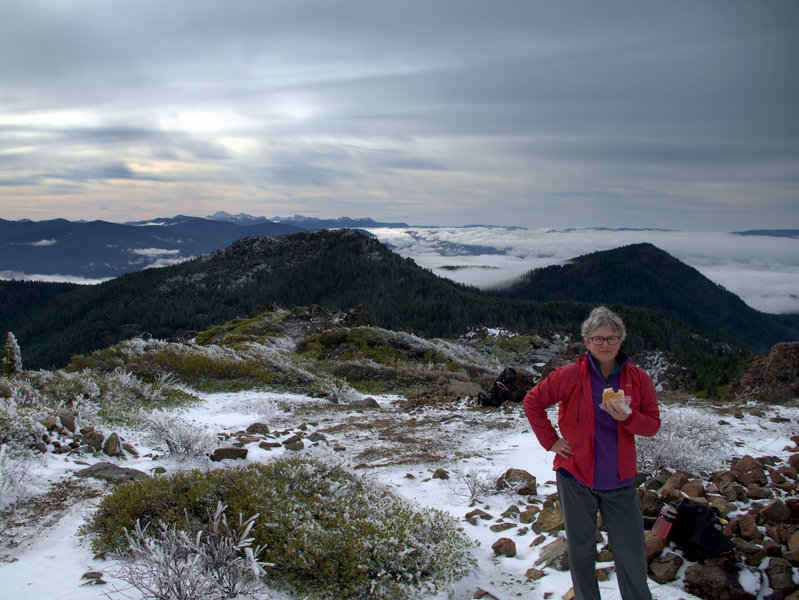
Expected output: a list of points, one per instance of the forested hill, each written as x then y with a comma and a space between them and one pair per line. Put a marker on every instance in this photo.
341, 268
645, 276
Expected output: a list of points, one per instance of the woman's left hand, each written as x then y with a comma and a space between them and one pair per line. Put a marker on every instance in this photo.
617, 413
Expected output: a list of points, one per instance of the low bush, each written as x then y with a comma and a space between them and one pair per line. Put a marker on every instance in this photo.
369, 343
211, 368
327, 532
214, 564
688, 440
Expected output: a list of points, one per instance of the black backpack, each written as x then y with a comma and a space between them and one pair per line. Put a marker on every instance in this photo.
504, 389
697, 530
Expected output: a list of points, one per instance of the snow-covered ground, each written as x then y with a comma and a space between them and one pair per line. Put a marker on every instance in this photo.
397, 446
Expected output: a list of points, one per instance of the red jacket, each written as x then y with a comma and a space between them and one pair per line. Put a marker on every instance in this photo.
570, 386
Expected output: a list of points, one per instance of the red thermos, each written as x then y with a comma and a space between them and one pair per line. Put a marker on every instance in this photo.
665, 520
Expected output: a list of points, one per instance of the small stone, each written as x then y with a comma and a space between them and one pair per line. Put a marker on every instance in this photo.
440, 474
504, 547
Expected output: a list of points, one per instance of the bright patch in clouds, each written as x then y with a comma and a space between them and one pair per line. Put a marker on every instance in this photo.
154, 251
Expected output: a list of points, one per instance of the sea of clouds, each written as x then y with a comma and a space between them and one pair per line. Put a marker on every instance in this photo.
762, 269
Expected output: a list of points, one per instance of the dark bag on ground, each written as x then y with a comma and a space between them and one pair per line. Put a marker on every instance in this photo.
504, 389
697, 530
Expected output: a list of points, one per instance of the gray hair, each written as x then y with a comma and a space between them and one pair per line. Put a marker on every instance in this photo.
603, 317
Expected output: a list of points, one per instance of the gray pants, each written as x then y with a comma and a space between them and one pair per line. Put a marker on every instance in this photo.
621, 514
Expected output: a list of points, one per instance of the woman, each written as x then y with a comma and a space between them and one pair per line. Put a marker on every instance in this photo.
595, 453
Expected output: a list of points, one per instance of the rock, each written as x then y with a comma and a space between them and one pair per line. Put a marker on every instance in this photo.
780, 578
533, 574
365, 404
94, 439
731, 491
694, 488
229, 453
555, 555
528, 515
481, 593
317, 437
111, 473
440, 474
747, 526
773, 379
664, 568
500, 527
654, 545
113, 445
776, 512
359, 317
258, 429
716, 581
650, 502
473, 515
674, 482
245, 439
523, 482
294, 443
68, 421
550, 518
504, 547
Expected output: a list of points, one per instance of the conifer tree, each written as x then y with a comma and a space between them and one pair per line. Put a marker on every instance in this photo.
11, 357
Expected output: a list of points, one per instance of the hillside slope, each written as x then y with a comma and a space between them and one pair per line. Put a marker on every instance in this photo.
643, 275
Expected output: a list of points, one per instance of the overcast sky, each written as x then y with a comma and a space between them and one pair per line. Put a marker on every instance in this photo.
679, 114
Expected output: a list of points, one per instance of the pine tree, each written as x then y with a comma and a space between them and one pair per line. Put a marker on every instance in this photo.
11, 357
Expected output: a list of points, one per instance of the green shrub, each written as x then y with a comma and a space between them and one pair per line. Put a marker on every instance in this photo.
327, 532
369, 343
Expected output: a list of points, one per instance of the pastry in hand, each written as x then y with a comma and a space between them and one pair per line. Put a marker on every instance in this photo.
616, 399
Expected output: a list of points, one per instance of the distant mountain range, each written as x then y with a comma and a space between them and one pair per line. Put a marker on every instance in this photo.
102, 250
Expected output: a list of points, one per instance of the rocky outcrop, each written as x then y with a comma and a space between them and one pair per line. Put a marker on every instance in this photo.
771, 379
757, 496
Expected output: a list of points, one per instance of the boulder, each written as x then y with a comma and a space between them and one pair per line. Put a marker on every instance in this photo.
550, 518
555, 555
111, 473
771, 379
504, 547
229, 453
113, 445
780, 578
523, 482
775, 512
664, 567
258, 429
440, 474
365, 404
717, 580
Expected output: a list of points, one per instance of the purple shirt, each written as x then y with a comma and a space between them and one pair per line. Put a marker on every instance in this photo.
606, 433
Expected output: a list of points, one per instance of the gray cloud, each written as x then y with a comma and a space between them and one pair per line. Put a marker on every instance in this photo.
463, 111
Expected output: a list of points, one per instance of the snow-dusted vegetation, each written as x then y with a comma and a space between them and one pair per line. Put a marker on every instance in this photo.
351, 462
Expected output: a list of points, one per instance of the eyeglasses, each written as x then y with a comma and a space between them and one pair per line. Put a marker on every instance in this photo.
612, 340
